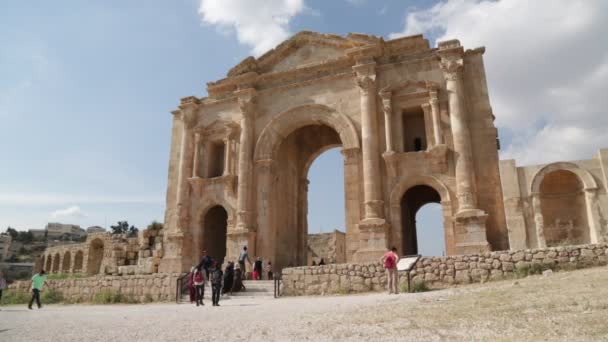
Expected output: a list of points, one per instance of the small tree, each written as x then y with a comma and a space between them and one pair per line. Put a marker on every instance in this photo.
122, 227
155, 226
12, 232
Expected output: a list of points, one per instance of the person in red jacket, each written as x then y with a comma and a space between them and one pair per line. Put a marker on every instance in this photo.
199, 284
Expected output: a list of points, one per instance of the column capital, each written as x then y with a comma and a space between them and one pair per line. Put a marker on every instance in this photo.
366, 83
452, 67
387, 106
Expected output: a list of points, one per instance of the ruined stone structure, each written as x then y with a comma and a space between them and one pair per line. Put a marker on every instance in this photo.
415, 126
331, 247
562, 203
105, 253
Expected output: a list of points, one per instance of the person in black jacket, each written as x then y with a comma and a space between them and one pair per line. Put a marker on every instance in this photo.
216, 277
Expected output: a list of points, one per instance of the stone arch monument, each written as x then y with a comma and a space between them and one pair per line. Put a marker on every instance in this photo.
400, 110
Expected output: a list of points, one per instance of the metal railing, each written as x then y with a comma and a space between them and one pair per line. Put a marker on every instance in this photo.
181, 287
278, 280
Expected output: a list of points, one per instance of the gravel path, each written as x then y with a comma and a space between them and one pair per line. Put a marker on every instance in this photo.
565, 306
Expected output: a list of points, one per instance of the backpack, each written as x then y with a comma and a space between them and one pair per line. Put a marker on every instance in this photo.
198, 277
389, 261
216, 276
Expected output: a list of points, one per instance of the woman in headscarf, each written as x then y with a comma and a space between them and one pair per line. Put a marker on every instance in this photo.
238, 279
228, 277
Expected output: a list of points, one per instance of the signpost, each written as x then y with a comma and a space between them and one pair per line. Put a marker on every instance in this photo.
407, 263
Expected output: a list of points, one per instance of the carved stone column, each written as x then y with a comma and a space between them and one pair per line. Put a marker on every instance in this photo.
244, 232
434, 102
227, 156
470, 221
539, 221
197, 155
247, 106
373, 229
366, 80
388, 117
452, 68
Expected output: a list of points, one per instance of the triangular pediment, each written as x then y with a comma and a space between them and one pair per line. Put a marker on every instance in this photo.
302, 50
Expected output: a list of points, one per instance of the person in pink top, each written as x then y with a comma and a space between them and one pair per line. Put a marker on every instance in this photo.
389, 260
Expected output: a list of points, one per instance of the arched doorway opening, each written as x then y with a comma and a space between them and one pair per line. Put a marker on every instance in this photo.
213, 239
48, 264
95, 257
78, 260
430, 232
56, 263
289, 196
563, 208
67, 259
414, 240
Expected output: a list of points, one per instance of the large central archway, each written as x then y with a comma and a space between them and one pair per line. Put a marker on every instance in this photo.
284, 152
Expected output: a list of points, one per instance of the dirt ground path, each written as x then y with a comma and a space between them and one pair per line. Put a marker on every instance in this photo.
569, 306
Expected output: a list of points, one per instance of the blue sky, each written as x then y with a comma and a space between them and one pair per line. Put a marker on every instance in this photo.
86, 89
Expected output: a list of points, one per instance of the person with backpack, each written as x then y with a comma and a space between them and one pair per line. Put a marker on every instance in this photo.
216, 276
389, 260
199, 285
205, 263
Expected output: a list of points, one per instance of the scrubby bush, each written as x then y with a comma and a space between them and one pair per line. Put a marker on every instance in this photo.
112, 297
51, 296
417, 286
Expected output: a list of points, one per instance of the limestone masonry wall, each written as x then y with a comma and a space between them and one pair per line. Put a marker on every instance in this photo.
439, 271
141, 288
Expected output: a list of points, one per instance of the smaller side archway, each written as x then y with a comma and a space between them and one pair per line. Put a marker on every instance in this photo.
67, 260
78, 261
404, 203
48, 263
563, 195
56, 260
95, 258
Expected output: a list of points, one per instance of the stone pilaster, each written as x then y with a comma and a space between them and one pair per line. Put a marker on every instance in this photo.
197, 155
470, 221
177, 238
597, 235
539, 221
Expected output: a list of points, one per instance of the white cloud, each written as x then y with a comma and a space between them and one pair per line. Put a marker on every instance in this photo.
259, 24
546, 65
73, 212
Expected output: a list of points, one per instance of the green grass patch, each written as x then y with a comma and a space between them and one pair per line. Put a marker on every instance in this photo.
61, 276
14, 297
51, 296
112, 297
417, 286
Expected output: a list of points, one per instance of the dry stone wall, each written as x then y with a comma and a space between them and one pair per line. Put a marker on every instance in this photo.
139, 288
440, 271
